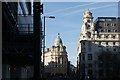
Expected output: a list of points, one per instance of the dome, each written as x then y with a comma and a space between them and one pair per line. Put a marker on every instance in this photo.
87, 14
58, 40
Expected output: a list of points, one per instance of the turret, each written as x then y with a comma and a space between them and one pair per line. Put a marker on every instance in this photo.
58, 41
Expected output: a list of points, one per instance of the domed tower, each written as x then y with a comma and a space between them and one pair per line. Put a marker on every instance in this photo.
58, 40
56, 58
88, 25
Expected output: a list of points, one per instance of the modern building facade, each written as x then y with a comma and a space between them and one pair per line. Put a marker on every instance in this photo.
56, 60
101, 36
18, 40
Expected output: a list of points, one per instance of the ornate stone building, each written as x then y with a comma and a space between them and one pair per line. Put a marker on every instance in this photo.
97, 37
56, 60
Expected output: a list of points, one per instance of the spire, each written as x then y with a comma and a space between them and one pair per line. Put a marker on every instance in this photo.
58, 40
58, 35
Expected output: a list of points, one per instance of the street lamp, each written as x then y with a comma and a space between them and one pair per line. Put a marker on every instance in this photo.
44, 40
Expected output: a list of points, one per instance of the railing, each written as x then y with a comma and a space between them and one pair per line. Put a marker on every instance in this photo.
25, 28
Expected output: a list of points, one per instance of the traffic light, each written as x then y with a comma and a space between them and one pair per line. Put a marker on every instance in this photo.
14, 68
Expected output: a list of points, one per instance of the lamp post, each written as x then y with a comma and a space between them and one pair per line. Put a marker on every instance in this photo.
44, 40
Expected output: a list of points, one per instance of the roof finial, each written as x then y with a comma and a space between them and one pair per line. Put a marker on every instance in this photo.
58, 34
88, 9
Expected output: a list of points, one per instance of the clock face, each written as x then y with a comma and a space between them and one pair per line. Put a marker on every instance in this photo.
88, 26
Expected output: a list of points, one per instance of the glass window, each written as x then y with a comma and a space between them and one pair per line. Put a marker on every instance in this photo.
106, 43
83, 43
89, 46
118, 19
108, 19
83, 56
105, 30
113, 43
112, 30
58, 48
101, 30
89, 56
113, 36
101, 19
112, 24
106, 36
99, 36
99, 43
106, 24
58, 60
115, 30
89, 65
90, 72
114, 49
108, 30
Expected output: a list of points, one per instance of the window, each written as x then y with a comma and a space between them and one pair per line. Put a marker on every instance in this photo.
58, 48
88, 36
106, 36
108, 30
90, 72
106, 43
108, 20
83, 36
99, 43
90, 65
101, 30
99, 36
115, 30
83, 56
112, 30
83, 43
60, 60
114, 49
89, 56
105, 30
89, 46
113, 43
106, 24
113, 36
101, 19
113, 24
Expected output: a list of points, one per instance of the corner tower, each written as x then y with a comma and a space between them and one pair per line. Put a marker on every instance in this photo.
58, 40
56, 59
88, 25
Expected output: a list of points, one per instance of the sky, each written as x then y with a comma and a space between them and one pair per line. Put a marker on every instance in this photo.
68, 21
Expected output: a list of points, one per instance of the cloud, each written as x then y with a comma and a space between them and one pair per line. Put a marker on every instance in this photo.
57, 11
74, 12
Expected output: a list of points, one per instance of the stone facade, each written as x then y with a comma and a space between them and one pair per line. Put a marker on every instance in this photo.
56, 60
103, 35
